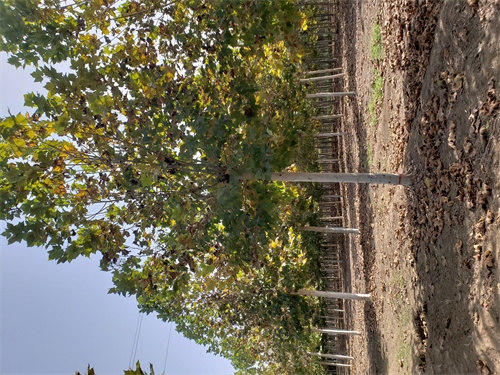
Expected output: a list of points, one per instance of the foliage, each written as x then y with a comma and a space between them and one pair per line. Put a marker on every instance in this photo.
137, 371
134, 153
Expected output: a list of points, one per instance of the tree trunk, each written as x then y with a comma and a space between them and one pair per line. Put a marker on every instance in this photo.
354, 178
326, 117
329, 94
334, 364
312, 79
323, 71
318, 293
329, 160
328, 135
330, 230
334, 332
331, 356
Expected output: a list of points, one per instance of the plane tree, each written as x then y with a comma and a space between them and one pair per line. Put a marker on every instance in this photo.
148, 127
152, 112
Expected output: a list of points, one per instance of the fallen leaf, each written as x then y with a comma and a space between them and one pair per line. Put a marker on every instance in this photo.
458, 82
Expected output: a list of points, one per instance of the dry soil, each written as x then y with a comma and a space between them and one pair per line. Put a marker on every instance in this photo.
428, 254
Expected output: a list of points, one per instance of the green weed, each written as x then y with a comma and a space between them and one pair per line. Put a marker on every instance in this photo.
376, 48
378, 85
377, 55
404, 354
369, 156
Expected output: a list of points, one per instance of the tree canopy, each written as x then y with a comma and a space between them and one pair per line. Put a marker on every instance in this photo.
152, 111
137, 371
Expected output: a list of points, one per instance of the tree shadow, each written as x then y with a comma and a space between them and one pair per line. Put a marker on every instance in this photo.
448, 275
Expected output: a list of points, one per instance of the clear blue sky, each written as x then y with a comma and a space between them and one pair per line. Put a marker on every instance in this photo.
57, 318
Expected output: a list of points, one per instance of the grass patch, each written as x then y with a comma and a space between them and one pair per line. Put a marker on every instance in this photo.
377, 56
377, 86
404, 318
404, 354
376, 48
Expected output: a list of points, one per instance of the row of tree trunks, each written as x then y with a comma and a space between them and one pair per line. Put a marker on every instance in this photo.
328, 143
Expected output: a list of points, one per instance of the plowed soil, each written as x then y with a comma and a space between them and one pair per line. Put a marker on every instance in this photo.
429, 254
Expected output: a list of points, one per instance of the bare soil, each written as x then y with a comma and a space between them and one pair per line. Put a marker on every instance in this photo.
429, 254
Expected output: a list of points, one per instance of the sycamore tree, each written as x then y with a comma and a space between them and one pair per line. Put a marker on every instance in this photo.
235, 310
153, 111
164, 103
137, 371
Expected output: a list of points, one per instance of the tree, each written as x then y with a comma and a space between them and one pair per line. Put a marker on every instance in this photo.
145, 137
136, 153
137, 371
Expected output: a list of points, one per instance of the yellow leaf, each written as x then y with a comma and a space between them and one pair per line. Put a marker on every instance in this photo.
303, 24
80, 194
149, 92
68, 148
19, 142
169, 74
60, 190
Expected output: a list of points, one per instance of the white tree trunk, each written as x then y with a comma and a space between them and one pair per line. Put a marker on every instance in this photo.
329, 160
326, 117
328, 135
330, 230
312, 79
318, 293
335, 332
354, 178
329, 94
323, 71
331, 356
334, 364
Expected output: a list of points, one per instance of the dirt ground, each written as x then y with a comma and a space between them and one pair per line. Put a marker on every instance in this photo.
429, 254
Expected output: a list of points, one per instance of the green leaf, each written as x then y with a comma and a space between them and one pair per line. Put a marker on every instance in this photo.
146, 180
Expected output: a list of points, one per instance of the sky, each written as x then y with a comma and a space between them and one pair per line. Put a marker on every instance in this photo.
58, 318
